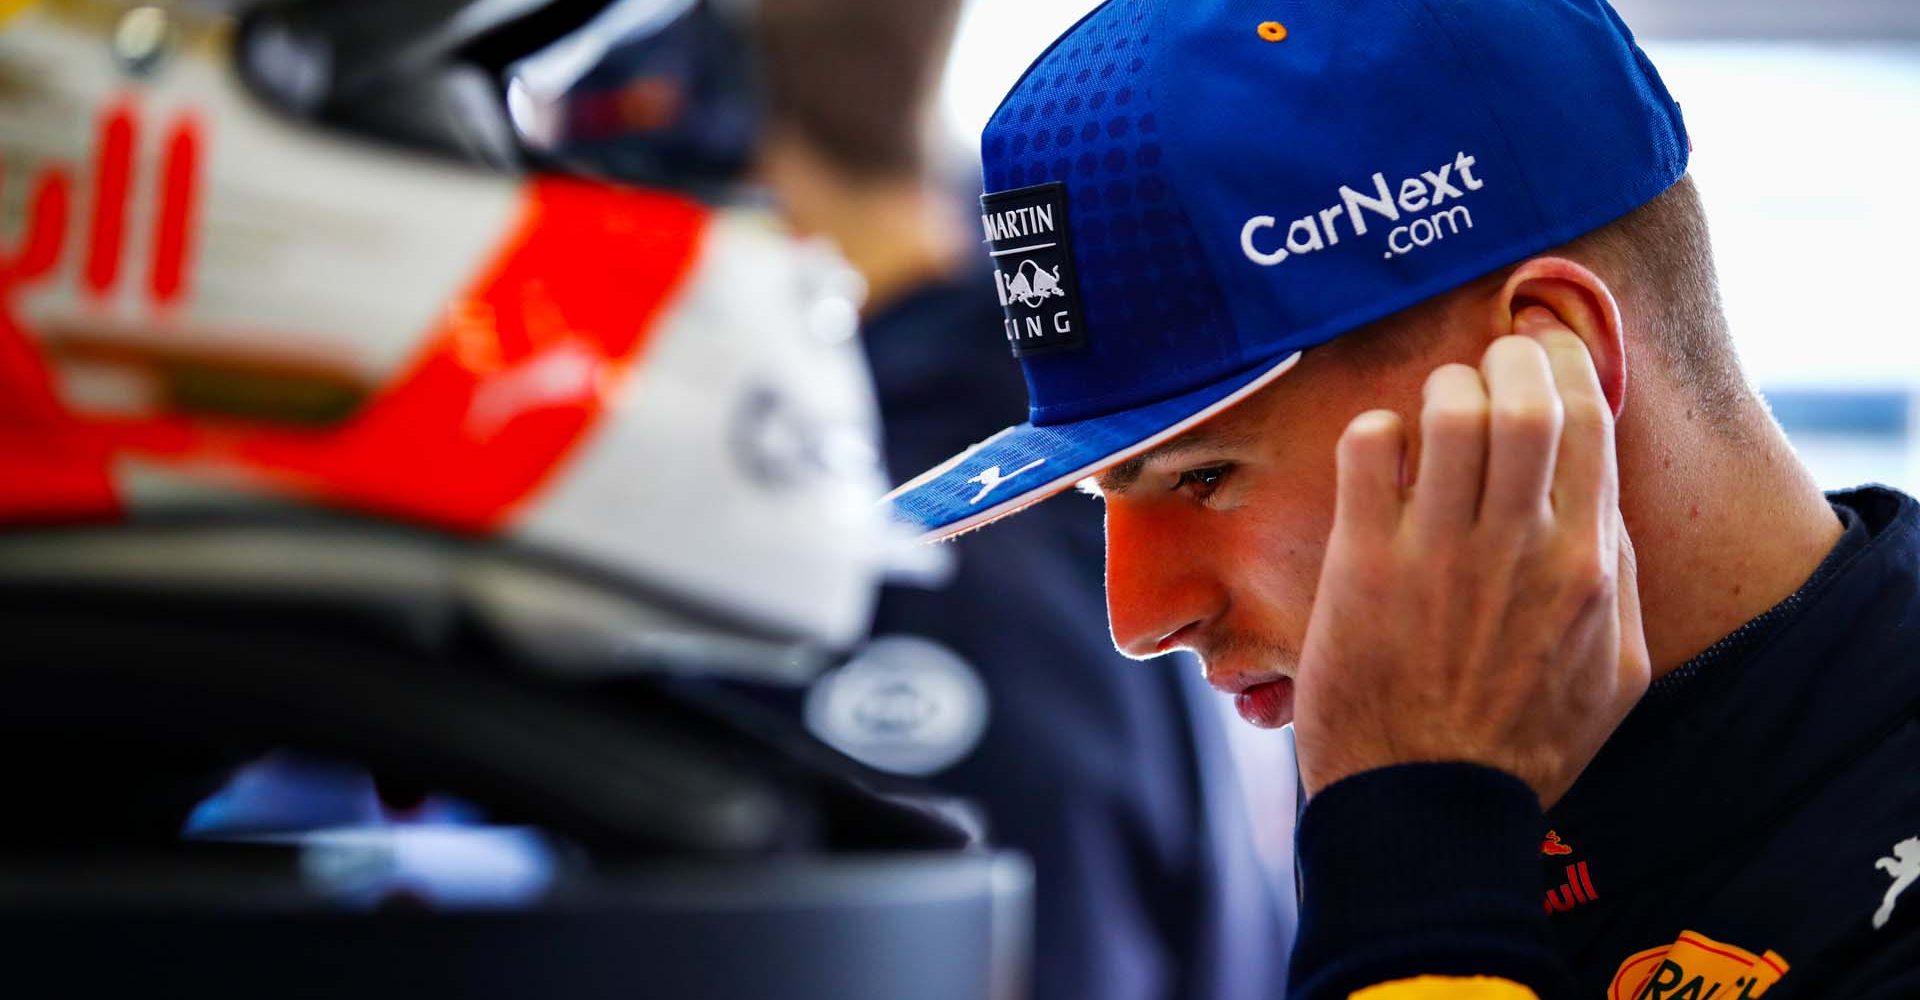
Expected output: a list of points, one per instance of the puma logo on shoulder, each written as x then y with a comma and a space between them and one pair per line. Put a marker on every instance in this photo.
1904, 867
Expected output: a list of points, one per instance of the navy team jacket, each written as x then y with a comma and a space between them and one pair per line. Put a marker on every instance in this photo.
1753, 829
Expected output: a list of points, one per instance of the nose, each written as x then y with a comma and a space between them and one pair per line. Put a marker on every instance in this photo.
1158, 582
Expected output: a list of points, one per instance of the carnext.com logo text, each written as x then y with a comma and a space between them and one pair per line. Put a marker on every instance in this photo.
1452, 182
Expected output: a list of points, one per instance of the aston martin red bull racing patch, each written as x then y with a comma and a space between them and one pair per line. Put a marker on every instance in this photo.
1032, 247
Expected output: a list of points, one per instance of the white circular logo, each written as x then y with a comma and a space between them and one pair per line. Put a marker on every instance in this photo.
906, 705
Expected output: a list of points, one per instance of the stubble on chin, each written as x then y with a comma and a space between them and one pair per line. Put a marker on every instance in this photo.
1244, 654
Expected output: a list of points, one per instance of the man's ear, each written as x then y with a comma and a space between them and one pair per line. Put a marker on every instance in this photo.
1583, 303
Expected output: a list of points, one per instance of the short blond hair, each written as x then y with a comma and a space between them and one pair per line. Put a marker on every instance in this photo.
1659, 262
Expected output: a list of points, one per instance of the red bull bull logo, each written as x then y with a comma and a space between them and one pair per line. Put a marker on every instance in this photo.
1030, 286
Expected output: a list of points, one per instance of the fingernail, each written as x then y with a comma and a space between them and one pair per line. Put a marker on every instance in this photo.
1374, 422
1535, 321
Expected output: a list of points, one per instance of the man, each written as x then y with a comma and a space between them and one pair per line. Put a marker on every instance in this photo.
1412, 539
1001, 686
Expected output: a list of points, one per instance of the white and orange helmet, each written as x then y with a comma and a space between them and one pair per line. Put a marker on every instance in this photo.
324, 255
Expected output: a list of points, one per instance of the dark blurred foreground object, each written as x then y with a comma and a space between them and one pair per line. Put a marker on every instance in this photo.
684, 846
328, 427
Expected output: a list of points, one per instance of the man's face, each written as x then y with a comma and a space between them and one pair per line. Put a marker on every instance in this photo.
1214, 542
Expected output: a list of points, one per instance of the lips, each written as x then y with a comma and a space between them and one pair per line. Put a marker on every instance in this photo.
1268, 706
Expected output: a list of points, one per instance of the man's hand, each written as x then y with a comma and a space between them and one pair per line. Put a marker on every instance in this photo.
1489, 613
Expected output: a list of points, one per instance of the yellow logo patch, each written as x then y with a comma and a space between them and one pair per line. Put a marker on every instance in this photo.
1696, 967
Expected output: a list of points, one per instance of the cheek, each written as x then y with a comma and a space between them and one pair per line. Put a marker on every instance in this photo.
1280, 545
1287, 514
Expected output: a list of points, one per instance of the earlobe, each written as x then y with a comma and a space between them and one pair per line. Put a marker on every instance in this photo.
1583, 303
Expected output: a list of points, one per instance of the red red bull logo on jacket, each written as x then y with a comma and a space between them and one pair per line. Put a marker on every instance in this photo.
1577, 889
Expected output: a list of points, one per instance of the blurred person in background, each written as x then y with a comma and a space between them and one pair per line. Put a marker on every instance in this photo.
1116, 780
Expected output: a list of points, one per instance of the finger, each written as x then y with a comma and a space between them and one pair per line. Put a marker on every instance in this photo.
1453, 450
1636, 667
1585, 481
1370, 456
1523, 430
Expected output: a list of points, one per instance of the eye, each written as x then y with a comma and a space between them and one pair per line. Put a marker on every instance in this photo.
1201, 483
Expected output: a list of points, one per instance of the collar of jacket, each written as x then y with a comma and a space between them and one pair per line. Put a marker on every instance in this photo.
1733, 751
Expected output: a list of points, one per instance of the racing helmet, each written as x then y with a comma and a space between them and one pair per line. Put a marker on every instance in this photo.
352, 260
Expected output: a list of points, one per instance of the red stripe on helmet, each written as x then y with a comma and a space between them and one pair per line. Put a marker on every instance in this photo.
520, 367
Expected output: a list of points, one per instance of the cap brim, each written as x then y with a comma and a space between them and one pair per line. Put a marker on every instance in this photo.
989, 481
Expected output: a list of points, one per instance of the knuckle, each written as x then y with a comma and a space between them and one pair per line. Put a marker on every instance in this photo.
1586, 412
1446, 558
1364, 569
1588, 568
1527, 418
1584, 575
1455, 418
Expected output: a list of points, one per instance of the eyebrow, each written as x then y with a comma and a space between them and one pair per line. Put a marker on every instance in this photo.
1121, 477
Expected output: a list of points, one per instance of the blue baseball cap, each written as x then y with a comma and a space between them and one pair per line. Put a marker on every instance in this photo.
1184, 195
